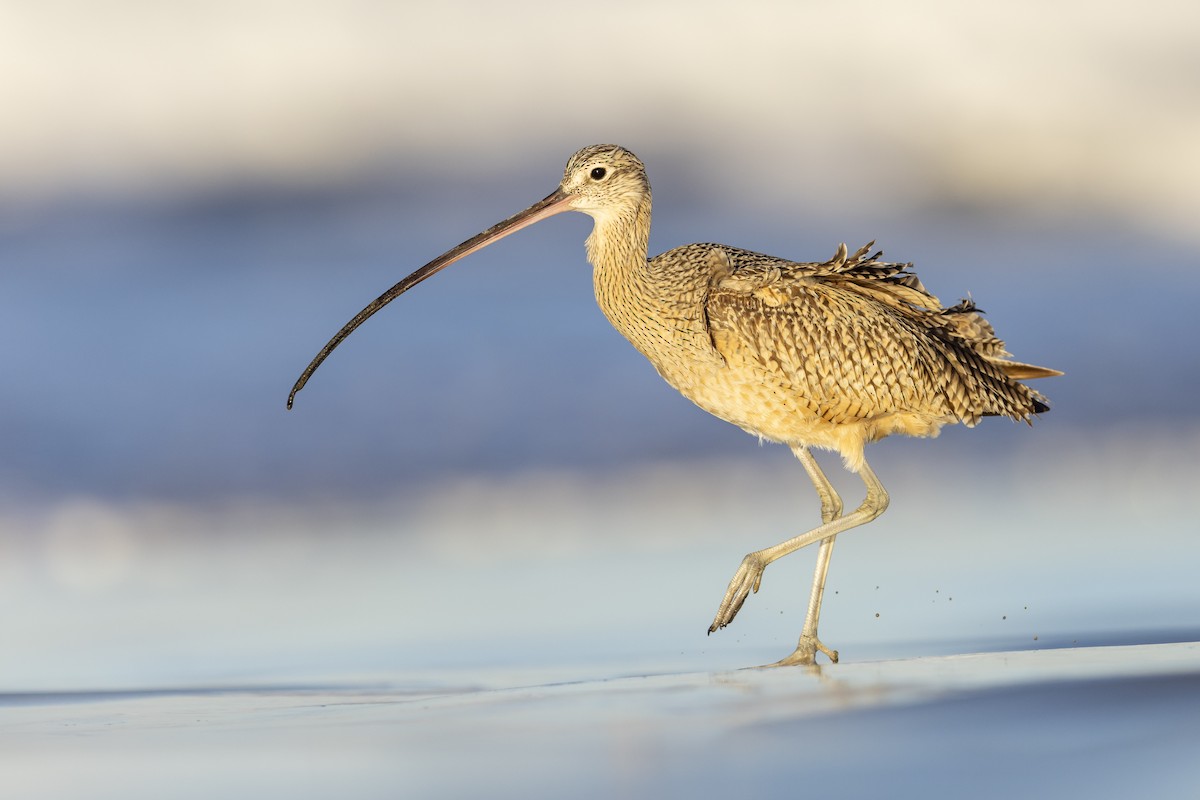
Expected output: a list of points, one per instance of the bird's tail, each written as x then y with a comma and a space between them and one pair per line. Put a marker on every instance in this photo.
1025, 372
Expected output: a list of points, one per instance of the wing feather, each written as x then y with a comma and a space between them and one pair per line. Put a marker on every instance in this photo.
860, 338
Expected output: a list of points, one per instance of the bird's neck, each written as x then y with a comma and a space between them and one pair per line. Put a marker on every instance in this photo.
647, 304
619, 242
617, 250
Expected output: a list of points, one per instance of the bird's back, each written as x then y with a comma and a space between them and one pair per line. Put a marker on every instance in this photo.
842, 352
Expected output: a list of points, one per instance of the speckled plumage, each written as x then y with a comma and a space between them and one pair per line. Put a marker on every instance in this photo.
832, 354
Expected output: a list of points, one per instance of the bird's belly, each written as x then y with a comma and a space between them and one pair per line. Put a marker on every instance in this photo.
765, 402
758, 407
773, 411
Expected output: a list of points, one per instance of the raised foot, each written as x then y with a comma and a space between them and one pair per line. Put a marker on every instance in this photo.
806, 653
747, 579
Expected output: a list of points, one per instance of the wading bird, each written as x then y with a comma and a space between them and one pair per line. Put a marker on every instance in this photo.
831, 355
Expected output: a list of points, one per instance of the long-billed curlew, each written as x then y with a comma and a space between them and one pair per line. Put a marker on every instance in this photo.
830, 355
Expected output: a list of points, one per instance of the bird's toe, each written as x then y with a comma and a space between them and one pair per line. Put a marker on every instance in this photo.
747, 579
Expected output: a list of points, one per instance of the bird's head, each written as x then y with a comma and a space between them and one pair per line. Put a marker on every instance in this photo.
604, 179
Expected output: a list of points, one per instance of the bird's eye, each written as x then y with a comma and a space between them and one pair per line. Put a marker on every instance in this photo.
598, 173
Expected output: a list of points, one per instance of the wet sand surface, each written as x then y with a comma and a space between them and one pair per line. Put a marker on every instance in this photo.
1097, 722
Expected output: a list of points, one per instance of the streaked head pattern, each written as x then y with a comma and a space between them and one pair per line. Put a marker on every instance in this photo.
605, 179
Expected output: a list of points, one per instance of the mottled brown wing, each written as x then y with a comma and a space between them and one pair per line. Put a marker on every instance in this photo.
859, 340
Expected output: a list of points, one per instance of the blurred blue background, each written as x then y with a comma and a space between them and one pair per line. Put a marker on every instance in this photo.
194, 196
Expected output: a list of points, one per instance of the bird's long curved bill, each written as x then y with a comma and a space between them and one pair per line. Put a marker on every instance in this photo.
552, 204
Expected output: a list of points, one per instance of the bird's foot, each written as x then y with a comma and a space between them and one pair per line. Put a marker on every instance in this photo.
747, 579
806, 652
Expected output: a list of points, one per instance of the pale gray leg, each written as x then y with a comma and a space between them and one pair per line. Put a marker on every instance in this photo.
831, 503
749, 574
831, 509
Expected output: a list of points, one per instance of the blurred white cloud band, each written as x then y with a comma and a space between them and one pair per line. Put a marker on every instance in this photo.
1057, 108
